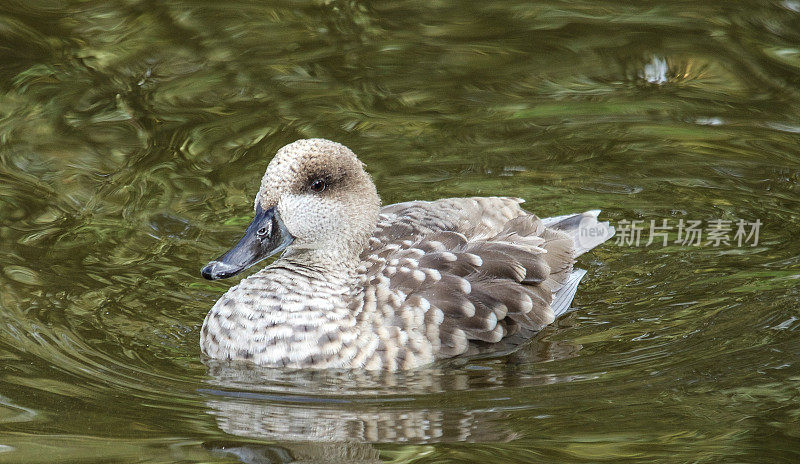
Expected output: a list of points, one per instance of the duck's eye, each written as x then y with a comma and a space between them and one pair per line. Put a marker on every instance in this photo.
262, 231
318, 185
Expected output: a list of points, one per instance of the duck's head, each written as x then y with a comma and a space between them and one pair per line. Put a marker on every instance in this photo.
316, 202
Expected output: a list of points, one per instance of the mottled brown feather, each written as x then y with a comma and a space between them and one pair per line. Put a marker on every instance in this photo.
480, 265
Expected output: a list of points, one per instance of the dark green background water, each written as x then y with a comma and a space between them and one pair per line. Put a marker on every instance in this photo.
134, 134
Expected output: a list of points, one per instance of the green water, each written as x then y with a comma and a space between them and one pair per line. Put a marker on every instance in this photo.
134, 134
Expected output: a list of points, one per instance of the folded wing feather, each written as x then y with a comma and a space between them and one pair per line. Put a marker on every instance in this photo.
479, 268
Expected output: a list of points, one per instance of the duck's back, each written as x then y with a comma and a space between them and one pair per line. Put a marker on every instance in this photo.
442, 277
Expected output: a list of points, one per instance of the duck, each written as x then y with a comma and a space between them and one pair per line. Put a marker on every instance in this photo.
358, 285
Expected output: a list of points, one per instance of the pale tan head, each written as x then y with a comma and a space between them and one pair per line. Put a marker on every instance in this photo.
326, 200
316, 202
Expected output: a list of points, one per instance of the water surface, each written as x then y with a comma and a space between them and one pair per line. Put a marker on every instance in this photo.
134, 134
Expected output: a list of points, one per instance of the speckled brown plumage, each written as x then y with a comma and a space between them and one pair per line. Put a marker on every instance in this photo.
396, 287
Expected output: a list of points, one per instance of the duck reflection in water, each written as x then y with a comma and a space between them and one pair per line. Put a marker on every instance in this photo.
339, 415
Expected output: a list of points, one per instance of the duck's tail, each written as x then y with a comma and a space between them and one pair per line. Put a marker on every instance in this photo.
587, 232
584, 228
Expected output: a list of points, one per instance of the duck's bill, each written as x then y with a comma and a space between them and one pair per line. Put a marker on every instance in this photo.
264, 237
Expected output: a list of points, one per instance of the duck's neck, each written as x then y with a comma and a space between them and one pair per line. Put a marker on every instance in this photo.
327, 262
338, 256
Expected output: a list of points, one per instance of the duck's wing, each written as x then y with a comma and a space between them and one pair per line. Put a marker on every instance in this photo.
469, 216
462, 270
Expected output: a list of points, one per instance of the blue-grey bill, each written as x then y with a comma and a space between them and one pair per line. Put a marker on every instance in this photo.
264, 237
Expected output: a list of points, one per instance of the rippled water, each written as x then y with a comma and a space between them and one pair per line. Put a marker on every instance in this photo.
134, 134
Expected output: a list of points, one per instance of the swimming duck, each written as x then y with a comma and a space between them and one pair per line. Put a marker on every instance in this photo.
395, 287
